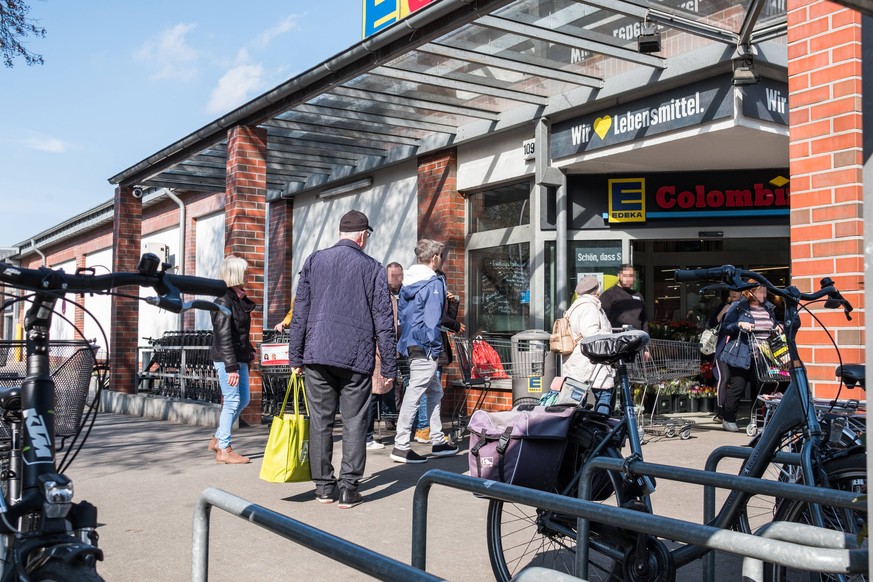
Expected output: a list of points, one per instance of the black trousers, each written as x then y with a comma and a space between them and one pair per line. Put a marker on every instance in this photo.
330, 389
735, 387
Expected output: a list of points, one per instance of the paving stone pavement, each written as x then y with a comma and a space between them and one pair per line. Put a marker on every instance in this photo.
145, 476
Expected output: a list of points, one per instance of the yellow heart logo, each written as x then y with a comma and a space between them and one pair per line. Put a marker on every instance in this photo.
602, 125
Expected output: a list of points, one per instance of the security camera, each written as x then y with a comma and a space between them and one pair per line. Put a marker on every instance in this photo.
137, 192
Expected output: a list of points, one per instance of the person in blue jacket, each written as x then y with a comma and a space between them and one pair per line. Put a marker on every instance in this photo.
341, 310
420, 310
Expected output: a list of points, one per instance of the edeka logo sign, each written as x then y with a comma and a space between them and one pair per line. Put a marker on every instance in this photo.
627, 200
700, 103
750, 194
381, 13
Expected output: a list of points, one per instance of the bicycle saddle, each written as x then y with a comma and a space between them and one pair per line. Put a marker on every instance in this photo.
611, 348
852, 375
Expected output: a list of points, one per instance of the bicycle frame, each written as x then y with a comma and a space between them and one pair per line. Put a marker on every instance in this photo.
796, 412
34, 484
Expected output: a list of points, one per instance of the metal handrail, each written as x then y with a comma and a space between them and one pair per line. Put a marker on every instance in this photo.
775, 551
336, 548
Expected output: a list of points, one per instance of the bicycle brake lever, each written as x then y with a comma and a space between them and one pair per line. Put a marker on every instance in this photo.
172, 304
206, 305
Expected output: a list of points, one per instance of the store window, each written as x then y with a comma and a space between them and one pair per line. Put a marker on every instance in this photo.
501, 207
600, 258
500, 289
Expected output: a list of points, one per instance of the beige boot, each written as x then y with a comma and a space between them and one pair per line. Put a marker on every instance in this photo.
229, 457
213, 445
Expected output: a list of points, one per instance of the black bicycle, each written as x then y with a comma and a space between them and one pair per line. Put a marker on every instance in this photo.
520, 536
45, 535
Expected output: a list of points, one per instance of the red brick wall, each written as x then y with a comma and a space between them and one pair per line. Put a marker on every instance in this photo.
441, 212
824, 82
280, 271
245, 224
127, 237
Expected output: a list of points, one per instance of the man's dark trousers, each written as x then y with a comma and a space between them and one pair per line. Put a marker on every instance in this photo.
329, 389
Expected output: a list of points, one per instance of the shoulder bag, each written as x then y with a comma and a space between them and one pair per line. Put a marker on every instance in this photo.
286, 457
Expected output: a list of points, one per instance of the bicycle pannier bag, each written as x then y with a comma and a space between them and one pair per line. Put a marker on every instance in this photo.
519, 447
708, 341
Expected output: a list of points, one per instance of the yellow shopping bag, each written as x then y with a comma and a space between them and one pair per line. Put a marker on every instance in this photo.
286, 458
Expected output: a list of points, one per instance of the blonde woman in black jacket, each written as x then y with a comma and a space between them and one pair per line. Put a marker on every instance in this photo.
231, 353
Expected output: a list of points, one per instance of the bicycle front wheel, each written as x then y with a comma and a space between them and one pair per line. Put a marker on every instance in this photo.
846, 474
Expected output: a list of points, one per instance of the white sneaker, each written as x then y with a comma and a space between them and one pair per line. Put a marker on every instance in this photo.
730, 426
375, 446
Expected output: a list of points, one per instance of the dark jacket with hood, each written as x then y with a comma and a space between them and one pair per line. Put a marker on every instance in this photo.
230, 333
341, 310
422, 297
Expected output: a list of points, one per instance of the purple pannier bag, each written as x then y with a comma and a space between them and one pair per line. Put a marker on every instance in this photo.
520, 447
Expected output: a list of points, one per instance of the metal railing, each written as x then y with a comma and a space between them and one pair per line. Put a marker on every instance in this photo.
331, 546
781, 552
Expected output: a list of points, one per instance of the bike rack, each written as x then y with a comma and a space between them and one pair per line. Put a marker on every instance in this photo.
797, 555
335, 548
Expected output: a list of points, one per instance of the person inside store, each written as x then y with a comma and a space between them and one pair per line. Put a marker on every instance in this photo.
231, 353
622, 305
422, 299
449, 324
383, 397
587, 318
752, 314
342, 310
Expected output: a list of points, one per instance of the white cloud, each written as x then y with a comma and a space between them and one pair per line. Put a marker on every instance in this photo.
170, 54
51, 145
237, 86
287, 24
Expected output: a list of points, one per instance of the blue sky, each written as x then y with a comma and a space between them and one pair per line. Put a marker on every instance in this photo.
122, 80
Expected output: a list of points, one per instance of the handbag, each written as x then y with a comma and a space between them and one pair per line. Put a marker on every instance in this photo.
737, 353
708, 341
286, 457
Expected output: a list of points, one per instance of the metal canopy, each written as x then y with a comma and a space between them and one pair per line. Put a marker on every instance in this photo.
455, 71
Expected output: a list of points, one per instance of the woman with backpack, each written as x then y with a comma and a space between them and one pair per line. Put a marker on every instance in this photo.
587, 318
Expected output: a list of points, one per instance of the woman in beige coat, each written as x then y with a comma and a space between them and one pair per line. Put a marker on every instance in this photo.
587, 318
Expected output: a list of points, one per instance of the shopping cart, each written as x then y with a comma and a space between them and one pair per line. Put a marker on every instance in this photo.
770, 363
477, 374
661, 362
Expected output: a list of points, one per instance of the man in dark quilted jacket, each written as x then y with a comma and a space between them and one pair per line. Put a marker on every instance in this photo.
341, 310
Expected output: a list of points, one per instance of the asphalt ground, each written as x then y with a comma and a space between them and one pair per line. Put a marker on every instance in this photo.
145, 476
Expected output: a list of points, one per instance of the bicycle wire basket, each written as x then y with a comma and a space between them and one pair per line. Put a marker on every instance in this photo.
664, 360
770, 358
71, 363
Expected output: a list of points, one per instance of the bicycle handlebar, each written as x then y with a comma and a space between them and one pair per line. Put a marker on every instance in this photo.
734, 278
168, 286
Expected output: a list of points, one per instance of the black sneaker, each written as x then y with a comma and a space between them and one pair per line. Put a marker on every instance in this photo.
444, 450
323, 497
349, 498
406, 456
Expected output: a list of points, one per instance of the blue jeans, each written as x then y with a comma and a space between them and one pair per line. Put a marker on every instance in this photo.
236, 398
421, 419
422, 380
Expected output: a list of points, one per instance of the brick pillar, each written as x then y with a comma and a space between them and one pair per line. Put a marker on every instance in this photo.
79, 315
127, 236
827, 230
280, 271
441, 217
245, 217
189, 258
